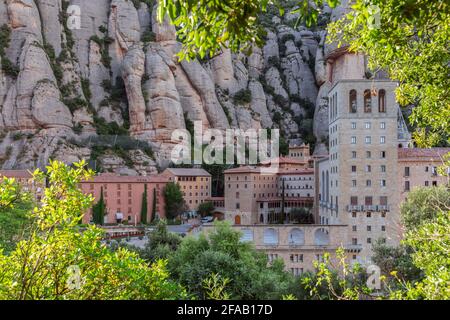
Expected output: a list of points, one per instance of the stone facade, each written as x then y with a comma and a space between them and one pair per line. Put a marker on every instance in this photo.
297, 245
195, 184
356, 187
418, 168
123, 196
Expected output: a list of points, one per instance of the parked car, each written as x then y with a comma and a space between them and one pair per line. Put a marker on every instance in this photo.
207, 219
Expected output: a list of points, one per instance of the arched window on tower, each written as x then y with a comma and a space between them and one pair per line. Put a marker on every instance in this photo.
352, 101
382, 101
367, 101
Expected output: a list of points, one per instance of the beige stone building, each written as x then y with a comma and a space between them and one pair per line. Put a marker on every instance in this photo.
195, 184
297, 245
418, 168
356, 186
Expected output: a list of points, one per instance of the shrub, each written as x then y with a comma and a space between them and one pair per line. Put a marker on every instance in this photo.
243, 96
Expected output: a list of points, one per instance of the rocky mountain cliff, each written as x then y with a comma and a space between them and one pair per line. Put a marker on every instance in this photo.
113, 90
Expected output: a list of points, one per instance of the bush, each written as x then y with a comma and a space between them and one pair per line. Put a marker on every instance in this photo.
243, 96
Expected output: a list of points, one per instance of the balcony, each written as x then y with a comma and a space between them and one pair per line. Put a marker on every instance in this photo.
351, 208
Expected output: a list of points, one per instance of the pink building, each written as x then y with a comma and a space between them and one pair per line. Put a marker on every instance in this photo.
123, 196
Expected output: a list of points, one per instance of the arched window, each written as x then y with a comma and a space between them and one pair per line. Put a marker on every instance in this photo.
297, 237
382, 101
237, 219
352, 101
321, 237
270, 236
247, 235
367, 101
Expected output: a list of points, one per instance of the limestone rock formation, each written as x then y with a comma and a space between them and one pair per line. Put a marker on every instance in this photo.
114, 88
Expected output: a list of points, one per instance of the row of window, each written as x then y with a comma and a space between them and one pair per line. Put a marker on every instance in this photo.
187, 178
368, 214
196, 187
368, 140
368, 183
369, 240
118, 186
407, 186
367, 97
368, 200
368, 228
368, 125
254, 178
196, 194
367, 168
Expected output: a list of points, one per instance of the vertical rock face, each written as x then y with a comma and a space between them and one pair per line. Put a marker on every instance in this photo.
119, 74
132, 73
164, 108
51, 26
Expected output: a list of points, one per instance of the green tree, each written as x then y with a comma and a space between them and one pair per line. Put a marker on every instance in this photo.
221, 253
144, 209
60, 261
175, 204
395, 263
153, 206
15, 205
99, 210
423, 204
431, 254
205, 27
410, 40
206, 208
161, 243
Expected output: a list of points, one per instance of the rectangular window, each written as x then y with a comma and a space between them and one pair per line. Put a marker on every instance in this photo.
406, 185
383, 228
368, 201
383, 168
383, 154
368, 154
353, 140
354, 228
353, 183
382, 125
383, 183
369, 228
354, 241
427, 183
353, 125
367, 125
368, 183
368, 140
406, 171
354, 200
354, 154
382, 140
353, 168
368, 168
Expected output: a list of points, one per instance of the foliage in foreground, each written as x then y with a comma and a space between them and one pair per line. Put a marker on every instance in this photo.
15, 204
58, 261
222, 253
